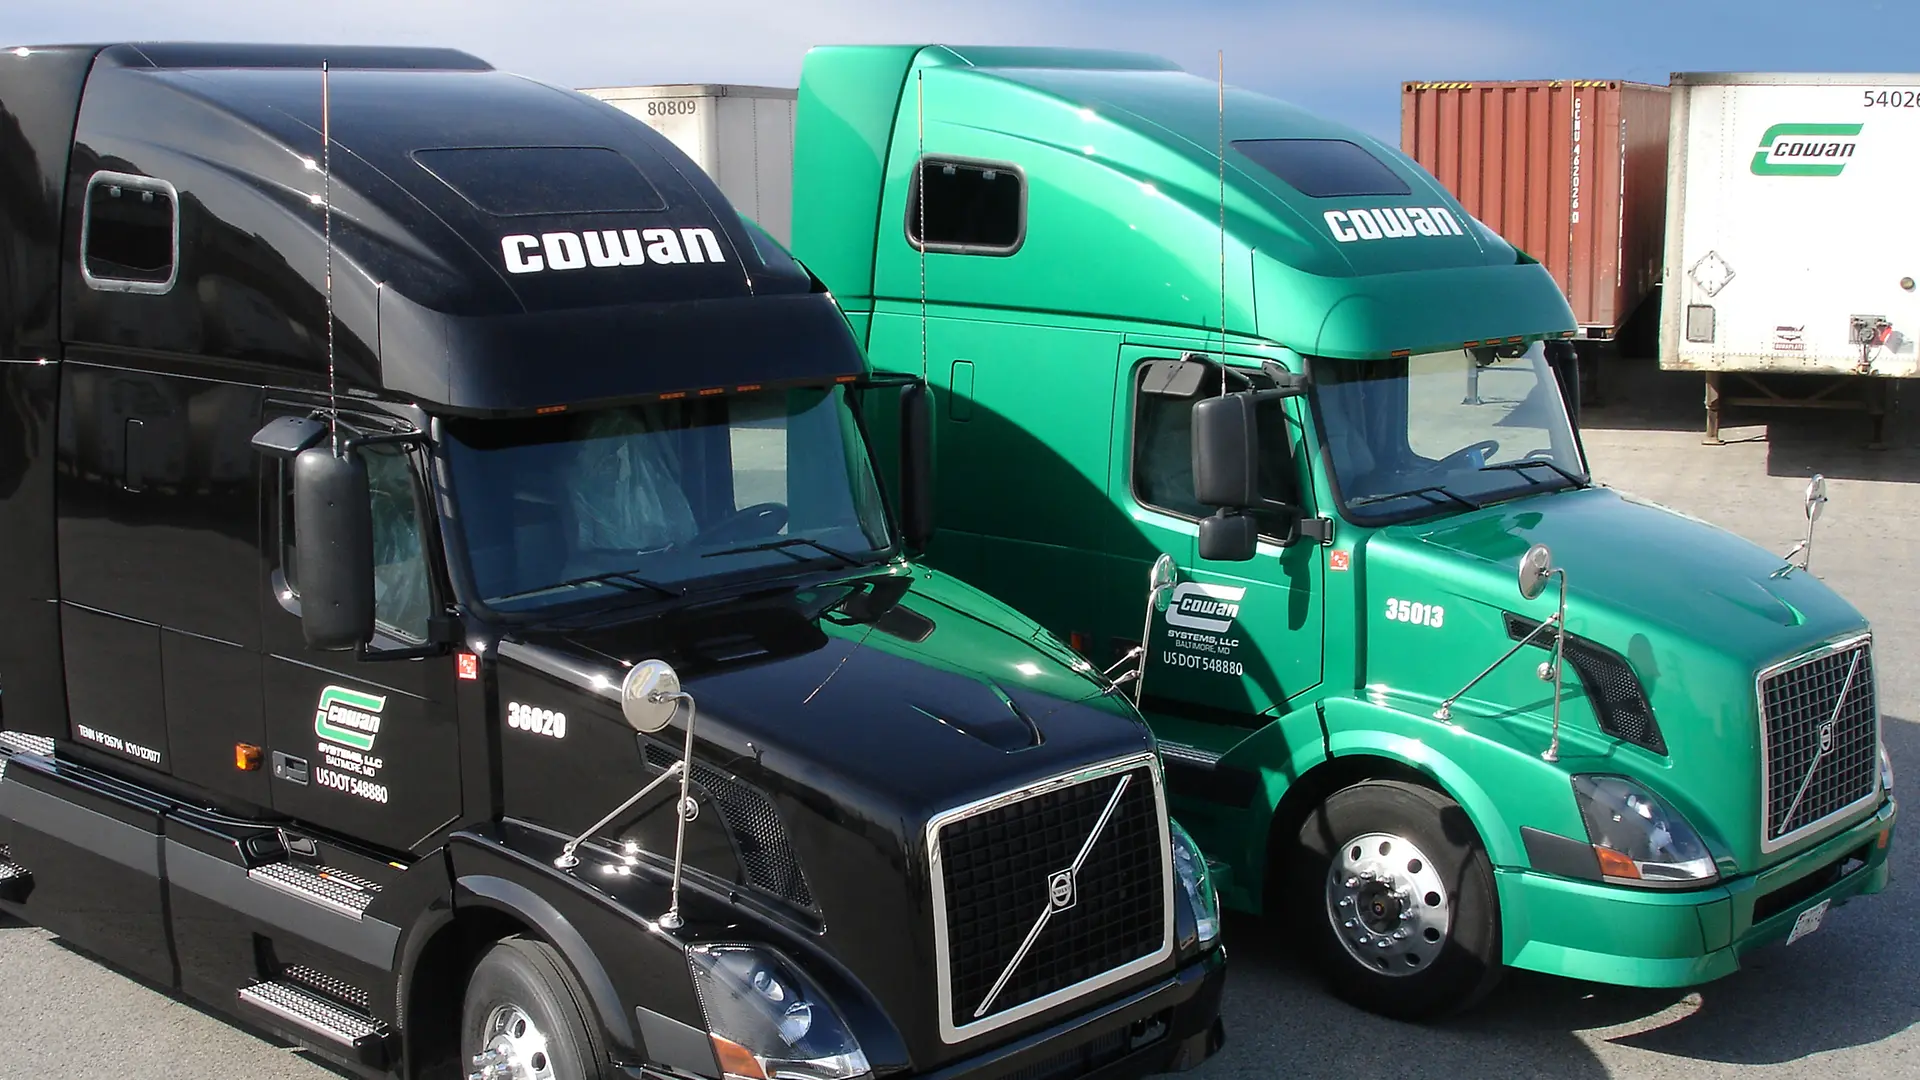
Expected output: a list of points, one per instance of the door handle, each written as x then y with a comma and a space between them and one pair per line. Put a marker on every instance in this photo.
132, 473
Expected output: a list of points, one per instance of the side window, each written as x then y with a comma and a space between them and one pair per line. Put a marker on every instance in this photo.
402, 598
130, 234
1163, 452
402, 592
967, 207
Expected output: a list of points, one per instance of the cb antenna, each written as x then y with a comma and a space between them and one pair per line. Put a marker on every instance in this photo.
1222, 58
920, 188
326, 203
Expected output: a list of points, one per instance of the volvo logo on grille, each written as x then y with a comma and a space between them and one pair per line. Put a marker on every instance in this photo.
1826, 736
1060, 891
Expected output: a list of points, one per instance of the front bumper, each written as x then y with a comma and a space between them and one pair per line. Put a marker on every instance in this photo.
1169, 1026
1642, 937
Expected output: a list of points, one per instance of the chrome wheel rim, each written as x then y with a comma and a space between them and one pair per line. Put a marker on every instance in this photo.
1389, 907
512, 1047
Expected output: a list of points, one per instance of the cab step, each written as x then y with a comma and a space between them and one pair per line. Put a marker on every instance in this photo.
14, 878
346, 1031
19, 742
335, 890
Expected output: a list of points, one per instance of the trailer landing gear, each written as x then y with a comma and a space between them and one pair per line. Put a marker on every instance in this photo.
1873, 398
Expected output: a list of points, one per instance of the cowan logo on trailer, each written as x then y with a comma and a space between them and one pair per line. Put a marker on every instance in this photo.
1806, 149
1387, 223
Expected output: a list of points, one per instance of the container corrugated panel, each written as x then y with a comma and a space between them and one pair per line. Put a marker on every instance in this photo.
742, 136
1572, 172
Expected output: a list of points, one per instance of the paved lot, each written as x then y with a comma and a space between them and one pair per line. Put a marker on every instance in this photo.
1842, 1003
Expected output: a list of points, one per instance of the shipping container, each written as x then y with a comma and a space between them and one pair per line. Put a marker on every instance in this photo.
1793, 242
1572, 172
741, 135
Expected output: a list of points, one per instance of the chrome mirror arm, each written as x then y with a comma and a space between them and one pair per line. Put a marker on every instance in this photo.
685, 809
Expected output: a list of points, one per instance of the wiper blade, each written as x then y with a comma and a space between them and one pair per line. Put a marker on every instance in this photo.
1516, 466
787, 542
1427, 492
626, 578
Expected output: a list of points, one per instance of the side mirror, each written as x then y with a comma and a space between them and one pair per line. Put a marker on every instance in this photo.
1229, 537
916, 464
1535, 566
1816, 497
649, 696
1226, 445
333, 522
1564, 359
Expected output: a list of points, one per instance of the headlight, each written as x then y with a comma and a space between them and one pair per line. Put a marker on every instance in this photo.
1886, 769
768, 1021
1191, 868
1639, 839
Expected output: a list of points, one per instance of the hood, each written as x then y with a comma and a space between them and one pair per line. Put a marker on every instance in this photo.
1670, 619
1640, 563
834, 722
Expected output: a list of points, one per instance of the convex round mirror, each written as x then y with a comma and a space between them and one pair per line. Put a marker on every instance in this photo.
1160, 578
1535, 565
1816, 497
649, 696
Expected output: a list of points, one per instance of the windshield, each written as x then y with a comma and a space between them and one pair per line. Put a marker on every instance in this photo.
654, 497
1438, 432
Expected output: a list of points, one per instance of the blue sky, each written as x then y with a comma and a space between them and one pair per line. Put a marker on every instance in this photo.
1343, 58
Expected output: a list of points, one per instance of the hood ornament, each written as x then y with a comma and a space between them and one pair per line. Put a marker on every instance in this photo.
650, 696
1536, 566
1816, 505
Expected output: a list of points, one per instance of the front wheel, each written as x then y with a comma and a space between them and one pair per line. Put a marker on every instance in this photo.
1395, 899
525, 1018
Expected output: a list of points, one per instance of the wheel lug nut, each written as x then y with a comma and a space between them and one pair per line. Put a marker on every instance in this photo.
1353, 882
1382, 943
1400, 934
1348, 925
1346, 901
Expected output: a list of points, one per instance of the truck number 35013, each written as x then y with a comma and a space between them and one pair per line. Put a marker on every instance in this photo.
1406, 611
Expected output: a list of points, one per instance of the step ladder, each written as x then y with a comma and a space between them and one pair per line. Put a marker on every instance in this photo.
326, 1023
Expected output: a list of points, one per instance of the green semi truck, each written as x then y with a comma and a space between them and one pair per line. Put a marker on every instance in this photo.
1424, 691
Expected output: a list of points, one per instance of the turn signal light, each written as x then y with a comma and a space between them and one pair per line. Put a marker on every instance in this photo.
1883, 838
246, 757
1615, 864
736, 1060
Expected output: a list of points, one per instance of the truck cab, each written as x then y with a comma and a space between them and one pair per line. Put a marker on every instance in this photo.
1430, 695
451, 620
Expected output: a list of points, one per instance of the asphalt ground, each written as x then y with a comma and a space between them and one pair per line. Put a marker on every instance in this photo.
1843, 1002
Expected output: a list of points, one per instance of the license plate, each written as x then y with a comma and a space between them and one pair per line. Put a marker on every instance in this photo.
1809, 921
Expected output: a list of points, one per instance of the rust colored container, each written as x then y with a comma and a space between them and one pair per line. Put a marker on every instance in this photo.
1574, 173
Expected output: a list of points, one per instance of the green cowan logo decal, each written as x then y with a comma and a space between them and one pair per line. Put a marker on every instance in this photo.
348, 717
1806, 149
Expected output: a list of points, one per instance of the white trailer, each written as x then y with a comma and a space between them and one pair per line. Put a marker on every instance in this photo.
741, 135
1793, 237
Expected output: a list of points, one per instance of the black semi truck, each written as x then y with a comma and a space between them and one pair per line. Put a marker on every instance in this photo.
449, 618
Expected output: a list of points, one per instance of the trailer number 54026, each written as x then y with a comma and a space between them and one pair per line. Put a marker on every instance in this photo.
1407, 611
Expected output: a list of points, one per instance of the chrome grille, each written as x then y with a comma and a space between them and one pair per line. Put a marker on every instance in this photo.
1821, 728
1048, 893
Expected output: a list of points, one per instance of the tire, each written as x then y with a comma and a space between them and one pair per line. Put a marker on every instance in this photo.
523, 1003
1422, 959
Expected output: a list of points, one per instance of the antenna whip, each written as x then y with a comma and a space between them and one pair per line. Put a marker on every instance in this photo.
1222, 56
920, 188
326, 172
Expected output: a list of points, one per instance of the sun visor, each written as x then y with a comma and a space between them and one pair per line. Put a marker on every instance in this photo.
520, 363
